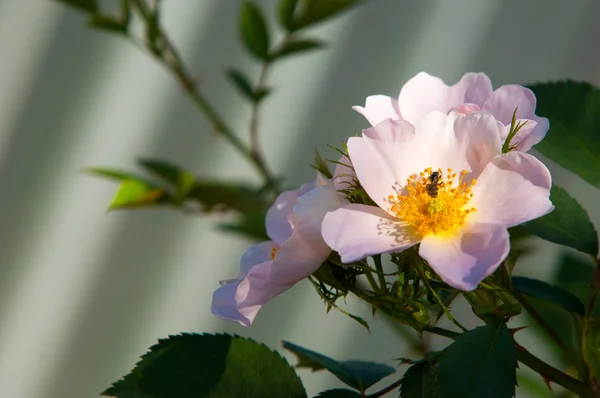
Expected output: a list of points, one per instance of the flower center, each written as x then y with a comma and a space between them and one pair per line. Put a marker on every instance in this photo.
274, 252
434, 203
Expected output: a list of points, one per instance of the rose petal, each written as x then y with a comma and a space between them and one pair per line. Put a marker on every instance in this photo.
224, 305
479, 134
309, 211
425, 93
531, 136
379, 108
278, 226
357, 231
503, 102
255, 254
467, 258
513, 188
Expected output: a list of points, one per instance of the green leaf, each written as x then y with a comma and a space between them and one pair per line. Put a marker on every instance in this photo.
242, 83
285, 13
418, 381
209, 366
89, 6
182, 180
214, 195
568, 224
573, 141
117, 175
135, 193
108, 23
574, 273
544, 291
591, 352
153, 30
295, 46
480, 363
313, 11
339, 393
251, 224
253, 27
356, 374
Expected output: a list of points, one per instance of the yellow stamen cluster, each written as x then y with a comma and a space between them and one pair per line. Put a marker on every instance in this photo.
274, 252
428, 215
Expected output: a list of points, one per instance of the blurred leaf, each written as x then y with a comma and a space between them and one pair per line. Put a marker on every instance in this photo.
568, 224
209, 366
89, 6
285, 13
573, 141
182, 180
311, 12
116, 175
253, 27
251, 224
356, 374
108, 23
575, 274
153, 30
592, 348
295, 46
544, 291
339, 393
214, 195
418, 381
242, 83
134, 193
480, 363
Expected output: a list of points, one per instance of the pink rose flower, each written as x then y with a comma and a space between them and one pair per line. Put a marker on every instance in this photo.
442, 183
473, 93
296, 250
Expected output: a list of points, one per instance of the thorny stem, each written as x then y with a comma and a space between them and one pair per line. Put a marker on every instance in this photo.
542, 322
171, 60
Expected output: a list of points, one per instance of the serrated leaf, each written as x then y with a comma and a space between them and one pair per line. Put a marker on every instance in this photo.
314, 11
108, 23
209, 366
253, 28
356, 374
568, 224
573, 141
241, 82
285, 13
418, 381
339, 393
545, 291
480, 363
135, 193
182, 180
296, 46
90, 6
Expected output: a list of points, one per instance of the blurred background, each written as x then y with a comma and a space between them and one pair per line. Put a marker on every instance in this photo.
84, 292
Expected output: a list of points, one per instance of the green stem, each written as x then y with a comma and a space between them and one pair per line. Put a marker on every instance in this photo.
173, 62
380, 274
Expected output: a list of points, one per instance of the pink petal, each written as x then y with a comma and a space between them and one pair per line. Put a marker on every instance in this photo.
466, 259
224, 305
503, 101
344, 176
309, 211
357, 231
479, 134
513, 188
256, 254
528, 136
425, 93
379, 108
278, 226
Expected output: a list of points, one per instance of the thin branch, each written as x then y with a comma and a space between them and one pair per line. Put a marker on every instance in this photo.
389, 388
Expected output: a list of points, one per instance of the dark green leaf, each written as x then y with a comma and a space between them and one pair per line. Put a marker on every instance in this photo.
253, 27
214, 195
480, 363
242, 83
285, 13
313, 11
209, 366
592, 348
418, 381
89, 6
181, 179
262, 93
135, 193
153, 30
251, 224
573, 141
356, 374
575, 274
339, 393
108, 23
568, 224
544, 291
296, 46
